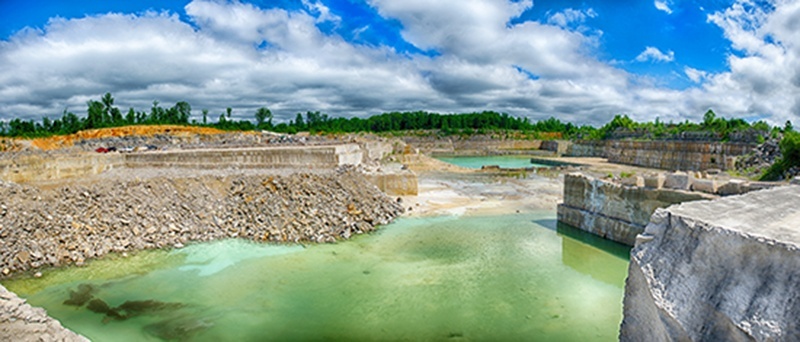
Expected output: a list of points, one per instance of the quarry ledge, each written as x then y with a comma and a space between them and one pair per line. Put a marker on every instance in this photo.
717, 270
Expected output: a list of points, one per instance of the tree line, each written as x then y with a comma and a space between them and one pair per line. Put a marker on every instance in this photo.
103, 114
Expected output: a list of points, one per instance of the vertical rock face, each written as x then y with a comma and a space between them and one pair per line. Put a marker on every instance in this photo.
613, 211
724, 270
666, 155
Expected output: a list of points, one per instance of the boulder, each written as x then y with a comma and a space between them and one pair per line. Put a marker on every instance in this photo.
677, 180
633, 181
654, 181
732, 187
708, 186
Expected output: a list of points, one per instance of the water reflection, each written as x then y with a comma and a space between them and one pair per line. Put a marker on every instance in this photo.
587, 253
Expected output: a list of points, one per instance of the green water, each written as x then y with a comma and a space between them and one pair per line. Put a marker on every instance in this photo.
506, 161
513, 277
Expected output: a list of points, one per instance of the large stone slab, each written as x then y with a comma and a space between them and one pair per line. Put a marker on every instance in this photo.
724, 270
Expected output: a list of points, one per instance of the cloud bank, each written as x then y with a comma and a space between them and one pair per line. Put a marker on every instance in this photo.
238, 55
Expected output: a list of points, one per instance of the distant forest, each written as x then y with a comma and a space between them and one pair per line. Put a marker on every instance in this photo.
103, 114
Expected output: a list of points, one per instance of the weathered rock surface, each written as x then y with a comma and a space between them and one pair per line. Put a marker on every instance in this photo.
72, 223
21, 322
724, 270
614, 211
665, 155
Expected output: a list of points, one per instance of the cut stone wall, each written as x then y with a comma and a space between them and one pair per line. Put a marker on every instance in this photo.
665, 155
559, 147
587, 148
42, 167
314, 157
723, 270
474, 145
33, 168
613, 211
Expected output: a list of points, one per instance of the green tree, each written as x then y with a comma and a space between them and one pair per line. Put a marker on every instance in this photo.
708, 118
107, 101
130, 118
184, 111
298, 122
94, 118
229, 110
263, 114
205, 116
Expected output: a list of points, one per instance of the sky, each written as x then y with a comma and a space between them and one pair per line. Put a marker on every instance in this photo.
579, 61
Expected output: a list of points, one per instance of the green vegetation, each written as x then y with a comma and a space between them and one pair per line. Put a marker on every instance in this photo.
103, 113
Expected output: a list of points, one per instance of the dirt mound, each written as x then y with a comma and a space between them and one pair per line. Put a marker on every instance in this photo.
62, 141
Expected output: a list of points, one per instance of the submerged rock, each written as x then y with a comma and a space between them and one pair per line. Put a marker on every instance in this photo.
84, 293
178, 329
138, 307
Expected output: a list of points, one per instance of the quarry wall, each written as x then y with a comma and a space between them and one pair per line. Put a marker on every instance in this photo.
613, 211
473, 145
723, 270
33, 168
254, 157
40, 167
665, 155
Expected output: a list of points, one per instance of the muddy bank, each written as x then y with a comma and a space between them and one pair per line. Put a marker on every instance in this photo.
72, 223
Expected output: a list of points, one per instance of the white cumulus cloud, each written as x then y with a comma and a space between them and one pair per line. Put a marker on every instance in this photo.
654, 54
695, 75
571, 16
663, 6
243, 56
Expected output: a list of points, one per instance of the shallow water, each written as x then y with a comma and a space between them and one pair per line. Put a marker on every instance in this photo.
505, 161
512, 277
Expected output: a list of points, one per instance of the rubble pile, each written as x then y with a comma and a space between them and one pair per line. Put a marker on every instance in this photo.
70, 224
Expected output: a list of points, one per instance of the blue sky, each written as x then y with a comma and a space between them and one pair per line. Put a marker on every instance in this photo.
581, 61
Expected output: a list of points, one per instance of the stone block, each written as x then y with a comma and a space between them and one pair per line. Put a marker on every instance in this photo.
677, 180
732, 187
655, 181
708, 186
633, 181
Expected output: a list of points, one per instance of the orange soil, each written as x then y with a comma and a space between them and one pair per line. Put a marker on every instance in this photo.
61, 141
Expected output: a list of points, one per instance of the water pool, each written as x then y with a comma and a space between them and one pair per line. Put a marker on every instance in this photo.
512, 277
505, 161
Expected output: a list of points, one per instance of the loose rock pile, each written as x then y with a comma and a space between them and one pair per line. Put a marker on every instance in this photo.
70, 224
760, 159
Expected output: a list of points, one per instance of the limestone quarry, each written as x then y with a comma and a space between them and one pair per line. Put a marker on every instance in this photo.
714, 257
